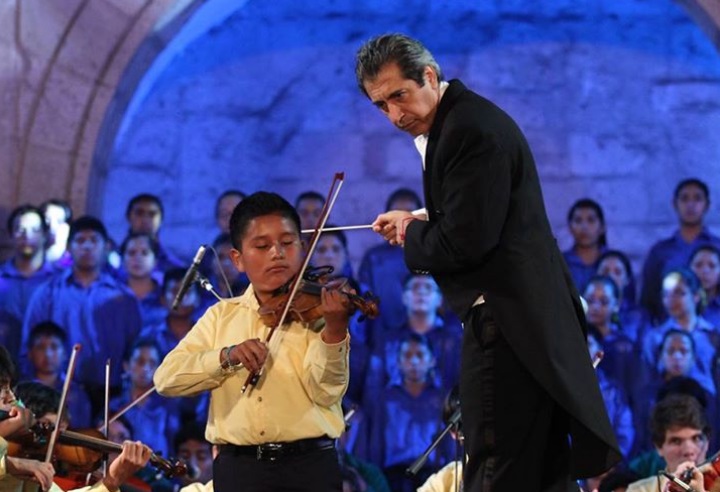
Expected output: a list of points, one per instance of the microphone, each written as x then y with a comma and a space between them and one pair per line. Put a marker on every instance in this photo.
189, 277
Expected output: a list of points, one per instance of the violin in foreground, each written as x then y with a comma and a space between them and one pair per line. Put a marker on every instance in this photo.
78, 452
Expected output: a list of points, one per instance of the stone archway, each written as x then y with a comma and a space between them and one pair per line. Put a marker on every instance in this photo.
707, 14
59, 69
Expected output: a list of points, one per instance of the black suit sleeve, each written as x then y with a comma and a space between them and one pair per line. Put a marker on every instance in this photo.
476, 178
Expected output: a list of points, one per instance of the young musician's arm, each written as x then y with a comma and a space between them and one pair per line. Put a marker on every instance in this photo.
194, 365
326, 372
134, 456
327, 369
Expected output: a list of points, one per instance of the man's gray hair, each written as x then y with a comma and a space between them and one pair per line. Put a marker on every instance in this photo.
410, 55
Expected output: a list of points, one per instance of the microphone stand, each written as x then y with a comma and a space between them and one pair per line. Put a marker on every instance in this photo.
420, 462
205, 284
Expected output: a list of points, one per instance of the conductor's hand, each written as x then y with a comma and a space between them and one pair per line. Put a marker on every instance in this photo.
31, 470
391, 225
251, 353
336, 313
134, 456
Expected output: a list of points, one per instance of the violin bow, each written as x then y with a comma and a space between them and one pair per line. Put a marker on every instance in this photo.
126, 408
335, 187
106, 412
63, 398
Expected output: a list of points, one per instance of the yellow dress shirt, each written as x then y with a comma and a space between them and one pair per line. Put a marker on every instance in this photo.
8, 483
298, 396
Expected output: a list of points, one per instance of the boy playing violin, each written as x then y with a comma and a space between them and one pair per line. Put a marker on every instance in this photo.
281, 433
26, 475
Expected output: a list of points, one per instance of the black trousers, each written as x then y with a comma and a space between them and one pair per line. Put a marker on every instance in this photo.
311, 472
515, 434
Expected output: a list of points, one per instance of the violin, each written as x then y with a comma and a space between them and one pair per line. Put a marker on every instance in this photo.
306, 306
80, 451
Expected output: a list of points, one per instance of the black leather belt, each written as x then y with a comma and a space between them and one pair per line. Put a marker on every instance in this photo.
273, 451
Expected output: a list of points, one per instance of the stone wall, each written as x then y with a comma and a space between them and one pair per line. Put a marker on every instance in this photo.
619, 100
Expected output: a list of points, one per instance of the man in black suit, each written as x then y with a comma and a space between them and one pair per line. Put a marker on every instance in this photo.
533, 415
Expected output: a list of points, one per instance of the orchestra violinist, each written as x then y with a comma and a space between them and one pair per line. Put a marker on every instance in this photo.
680, 434
283, 429
27, 474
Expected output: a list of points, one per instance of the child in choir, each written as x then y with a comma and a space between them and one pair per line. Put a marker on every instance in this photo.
683, 299
632, 318
705, 263
48, 358
586, 222
139, 262
422, 300
155, 419
178, 322
620, 358
405, 417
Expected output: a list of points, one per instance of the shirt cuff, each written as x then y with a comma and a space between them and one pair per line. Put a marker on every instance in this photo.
335, 351
210, 363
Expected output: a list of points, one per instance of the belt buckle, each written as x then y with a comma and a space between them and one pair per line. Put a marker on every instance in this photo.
269, 452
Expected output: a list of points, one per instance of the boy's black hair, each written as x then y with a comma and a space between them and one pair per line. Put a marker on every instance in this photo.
87, 223
22, 210
191, 431
677, 410
692, 182
256, 205
47, 329
38, 398
144, 197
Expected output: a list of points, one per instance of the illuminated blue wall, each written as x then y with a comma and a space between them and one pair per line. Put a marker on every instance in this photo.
619, 99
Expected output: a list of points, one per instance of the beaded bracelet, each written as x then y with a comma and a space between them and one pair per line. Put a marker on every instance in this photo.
226, 362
